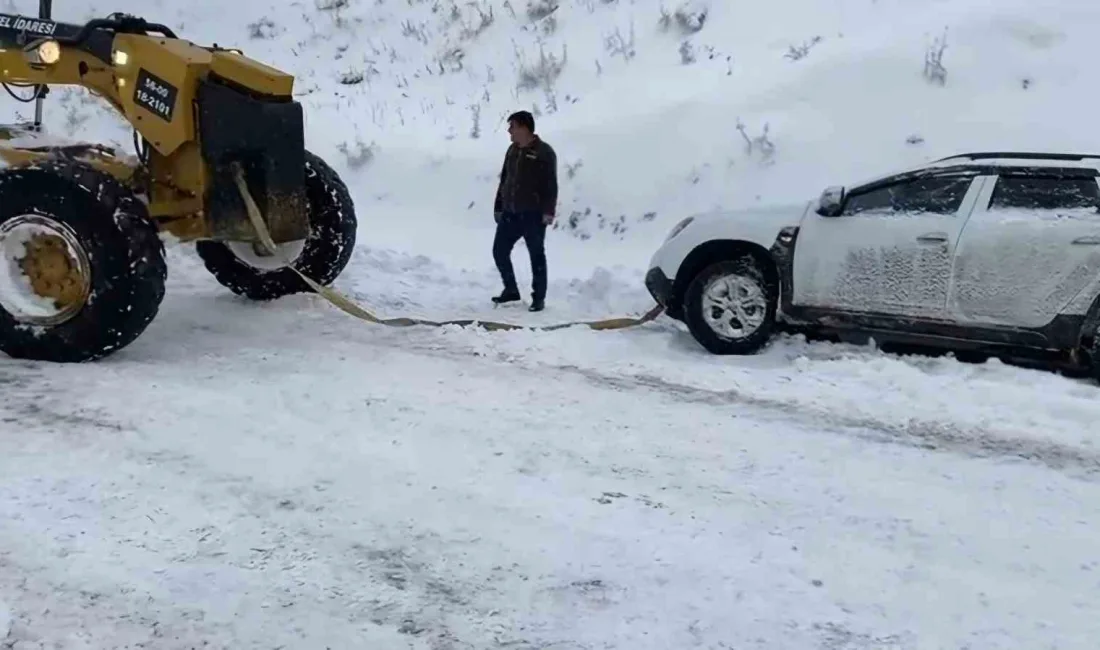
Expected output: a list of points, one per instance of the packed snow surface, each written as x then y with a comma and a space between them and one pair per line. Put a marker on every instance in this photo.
282, 475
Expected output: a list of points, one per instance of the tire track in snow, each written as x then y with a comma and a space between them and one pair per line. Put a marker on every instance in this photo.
931, 435
294, 553
305, 567
925, 434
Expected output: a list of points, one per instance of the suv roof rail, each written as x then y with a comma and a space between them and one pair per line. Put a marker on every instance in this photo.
1020, 155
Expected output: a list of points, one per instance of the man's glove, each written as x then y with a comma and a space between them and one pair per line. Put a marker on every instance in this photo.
548, 219
497, 216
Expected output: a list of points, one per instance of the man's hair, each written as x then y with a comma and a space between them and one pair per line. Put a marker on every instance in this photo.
523, 118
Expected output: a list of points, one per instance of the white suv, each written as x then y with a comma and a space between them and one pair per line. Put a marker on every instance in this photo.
997, 253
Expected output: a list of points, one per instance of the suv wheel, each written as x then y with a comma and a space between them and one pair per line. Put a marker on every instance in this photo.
729, 307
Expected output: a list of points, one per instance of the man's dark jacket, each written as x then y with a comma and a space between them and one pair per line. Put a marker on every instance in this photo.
528, 179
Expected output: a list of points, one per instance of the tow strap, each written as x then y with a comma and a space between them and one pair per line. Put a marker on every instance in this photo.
348, 306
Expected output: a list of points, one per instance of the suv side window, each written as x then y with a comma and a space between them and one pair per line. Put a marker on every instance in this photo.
1038, 193
934, 195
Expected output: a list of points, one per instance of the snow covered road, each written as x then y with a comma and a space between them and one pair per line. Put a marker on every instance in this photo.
283, 476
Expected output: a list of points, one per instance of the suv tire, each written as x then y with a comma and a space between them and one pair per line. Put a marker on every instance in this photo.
729, 306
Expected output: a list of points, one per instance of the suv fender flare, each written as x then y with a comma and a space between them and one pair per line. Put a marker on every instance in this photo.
1086, 338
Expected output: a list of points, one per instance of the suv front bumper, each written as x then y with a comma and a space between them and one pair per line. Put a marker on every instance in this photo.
660, 287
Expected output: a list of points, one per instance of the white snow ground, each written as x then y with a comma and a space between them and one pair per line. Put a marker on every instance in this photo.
281, 475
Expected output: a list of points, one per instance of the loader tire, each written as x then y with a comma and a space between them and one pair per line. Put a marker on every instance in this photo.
82, 238
322, 257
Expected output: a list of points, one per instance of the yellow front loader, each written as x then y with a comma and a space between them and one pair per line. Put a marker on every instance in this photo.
82, 272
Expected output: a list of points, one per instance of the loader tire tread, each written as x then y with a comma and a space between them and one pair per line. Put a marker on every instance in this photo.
124, 249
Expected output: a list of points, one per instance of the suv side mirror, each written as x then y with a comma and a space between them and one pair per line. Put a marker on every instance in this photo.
831, 201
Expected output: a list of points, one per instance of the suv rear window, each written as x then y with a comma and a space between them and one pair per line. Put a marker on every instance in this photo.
1038, 193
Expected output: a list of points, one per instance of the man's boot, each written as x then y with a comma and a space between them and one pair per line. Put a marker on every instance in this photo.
508, 295
537, 304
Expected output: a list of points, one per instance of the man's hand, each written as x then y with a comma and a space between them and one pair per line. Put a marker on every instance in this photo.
497, 216
548, 219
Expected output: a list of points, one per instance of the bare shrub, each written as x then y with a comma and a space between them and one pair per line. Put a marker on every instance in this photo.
760, 144
687, 53
451, 59
475, 116
548, 25
416, 32
616, 45
263, 28
541, 73
799, 52
352, 77
689, 17
934, 71
571, 169
539, 9
479, 23
359, 154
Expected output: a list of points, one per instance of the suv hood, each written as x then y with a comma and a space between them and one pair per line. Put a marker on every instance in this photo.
784, 213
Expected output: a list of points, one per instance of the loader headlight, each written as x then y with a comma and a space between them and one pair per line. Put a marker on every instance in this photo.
120, 58
47, 52
679, 228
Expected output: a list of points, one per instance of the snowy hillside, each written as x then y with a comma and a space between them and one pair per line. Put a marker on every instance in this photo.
281, 475
656, 109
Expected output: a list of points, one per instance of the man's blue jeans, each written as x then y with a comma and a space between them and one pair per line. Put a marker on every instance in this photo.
529, 227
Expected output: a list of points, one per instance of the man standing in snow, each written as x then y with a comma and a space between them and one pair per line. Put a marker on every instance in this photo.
525, 203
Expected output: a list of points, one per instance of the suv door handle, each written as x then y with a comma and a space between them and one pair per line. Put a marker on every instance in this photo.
933, 238
1087, 241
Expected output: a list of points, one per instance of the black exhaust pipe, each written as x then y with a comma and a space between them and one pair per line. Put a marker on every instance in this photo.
45, 12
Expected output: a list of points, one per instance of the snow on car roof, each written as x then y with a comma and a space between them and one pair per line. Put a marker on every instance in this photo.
1020, 159
991, 159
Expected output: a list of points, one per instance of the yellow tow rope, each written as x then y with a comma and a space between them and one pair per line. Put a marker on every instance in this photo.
346, 305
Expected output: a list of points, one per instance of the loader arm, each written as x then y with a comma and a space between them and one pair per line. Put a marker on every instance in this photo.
198, 110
